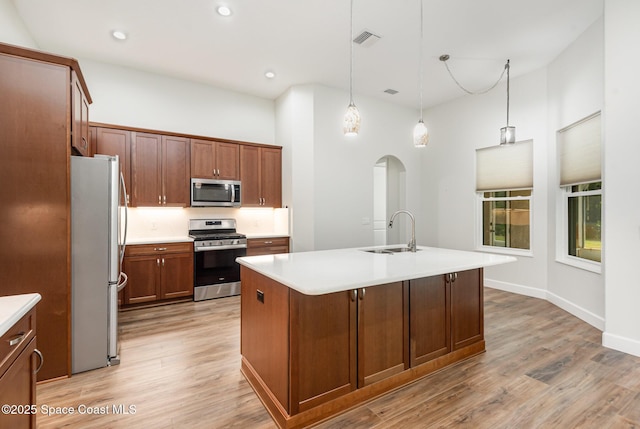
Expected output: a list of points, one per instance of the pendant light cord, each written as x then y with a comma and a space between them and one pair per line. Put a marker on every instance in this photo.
444, 59
351, 55
507, 67
421, 62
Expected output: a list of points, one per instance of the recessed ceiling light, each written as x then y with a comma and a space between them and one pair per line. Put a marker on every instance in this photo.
269, 74
120, 35
224, 10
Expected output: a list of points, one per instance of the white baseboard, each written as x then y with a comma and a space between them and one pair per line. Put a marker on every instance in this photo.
622, 344
581, 313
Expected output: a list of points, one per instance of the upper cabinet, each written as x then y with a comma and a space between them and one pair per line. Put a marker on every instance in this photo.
215, 160
160, 167
261, 176
113, 142
80, 140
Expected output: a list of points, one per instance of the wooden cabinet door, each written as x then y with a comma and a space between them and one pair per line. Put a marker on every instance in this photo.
250, 175
18, 387
176, 170
203, 159
323, 348
467, 308
144, 279
382, 332
271, 177
146, 169
228, 161
177, 275
79, 118
429, 319
116, 142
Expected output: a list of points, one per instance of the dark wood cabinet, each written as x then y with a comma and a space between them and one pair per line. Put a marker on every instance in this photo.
18, 364
261, 176
80, 139
267, 246
160, 167
36, 132
110, 141
158, 272
430, 319
467, 308
215, 160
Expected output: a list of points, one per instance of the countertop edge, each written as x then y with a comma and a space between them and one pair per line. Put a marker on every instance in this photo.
23, 302
156, 240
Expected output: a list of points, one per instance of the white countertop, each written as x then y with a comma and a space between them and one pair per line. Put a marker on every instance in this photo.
154, 240
13, 307
328, 271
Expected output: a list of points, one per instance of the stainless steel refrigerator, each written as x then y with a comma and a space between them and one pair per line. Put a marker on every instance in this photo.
97, 250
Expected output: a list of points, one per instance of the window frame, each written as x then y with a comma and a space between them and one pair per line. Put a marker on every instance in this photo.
480, 246
562, 226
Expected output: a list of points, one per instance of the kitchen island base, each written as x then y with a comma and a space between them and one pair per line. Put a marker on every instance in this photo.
311, 357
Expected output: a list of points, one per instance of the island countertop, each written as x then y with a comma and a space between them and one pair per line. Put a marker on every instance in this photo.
328, 271
13, 307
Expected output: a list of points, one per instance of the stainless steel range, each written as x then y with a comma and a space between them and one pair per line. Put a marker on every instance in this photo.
216, 245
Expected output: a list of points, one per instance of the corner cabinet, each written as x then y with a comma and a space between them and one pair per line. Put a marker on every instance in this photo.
80, 138
19, 361
158, 272
160, 167
261, 176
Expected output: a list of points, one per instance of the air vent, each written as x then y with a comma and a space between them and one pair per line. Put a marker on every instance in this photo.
391, 91
366, 38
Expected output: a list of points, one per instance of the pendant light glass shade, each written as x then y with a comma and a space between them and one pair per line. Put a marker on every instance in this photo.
351, 124
420, 134
507, 135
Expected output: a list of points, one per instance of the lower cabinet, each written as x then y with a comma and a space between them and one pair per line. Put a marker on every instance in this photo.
310, 356
19, 363
158, 272
267, 246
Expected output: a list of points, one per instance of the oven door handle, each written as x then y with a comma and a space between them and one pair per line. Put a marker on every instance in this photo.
227, 247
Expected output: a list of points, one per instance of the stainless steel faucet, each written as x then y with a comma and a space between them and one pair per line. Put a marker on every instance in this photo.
412, 243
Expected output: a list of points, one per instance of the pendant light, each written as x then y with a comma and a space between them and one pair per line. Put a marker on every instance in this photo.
508, 133
351, 124
420, 132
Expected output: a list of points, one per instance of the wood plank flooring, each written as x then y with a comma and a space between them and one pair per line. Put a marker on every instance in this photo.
181, 369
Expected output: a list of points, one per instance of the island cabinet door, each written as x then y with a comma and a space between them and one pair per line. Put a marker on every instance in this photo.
430, 318
323, 348
467, 308
383, 348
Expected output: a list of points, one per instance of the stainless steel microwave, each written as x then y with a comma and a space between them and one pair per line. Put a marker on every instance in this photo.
215, 193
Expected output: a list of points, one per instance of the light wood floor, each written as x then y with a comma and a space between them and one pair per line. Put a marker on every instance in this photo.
181, 369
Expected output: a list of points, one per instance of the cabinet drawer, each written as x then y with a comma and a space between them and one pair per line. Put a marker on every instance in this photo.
156, 248
267, 242
15, 339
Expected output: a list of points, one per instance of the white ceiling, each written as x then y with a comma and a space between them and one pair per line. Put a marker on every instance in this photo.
307, 41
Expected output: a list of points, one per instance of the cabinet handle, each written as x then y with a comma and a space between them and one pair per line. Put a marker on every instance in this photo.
165, 199
159, 249
39, 353
362, 294
163, 262
354, 295
16, 340
84, 142
455, 277
268, 242
218, 172
159, 200
158, 262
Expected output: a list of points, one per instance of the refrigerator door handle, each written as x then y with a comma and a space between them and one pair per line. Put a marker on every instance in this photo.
126, 220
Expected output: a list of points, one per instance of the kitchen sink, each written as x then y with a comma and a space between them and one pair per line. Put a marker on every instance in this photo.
390, 250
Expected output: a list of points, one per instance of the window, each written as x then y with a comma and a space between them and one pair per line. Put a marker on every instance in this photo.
504, 182
584, 206
580, 204
506, 219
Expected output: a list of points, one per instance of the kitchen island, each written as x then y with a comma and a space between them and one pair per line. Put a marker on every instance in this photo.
324, 331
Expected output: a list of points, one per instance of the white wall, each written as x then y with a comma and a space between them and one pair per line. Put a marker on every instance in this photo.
622, 175
332, 193
12, 28
125, 96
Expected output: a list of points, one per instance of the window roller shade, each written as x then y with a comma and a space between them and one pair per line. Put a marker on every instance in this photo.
579, 152
505, 167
